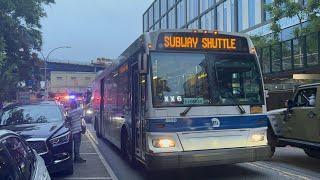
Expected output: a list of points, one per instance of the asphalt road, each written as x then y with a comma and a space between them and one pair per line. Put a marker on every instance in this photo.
288, 163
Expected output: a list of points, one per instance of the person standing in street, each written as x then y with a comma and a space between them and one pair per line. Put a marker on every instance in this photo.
76, 114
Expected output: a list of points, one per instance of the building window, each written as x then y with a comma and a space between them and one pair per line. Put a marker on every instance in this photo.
251, 13
172, 19
171, 3
194, 25
205, 4
267, 14
87, 78
145, 22
150, 17
164, 22
225, 15
220, 17
59, 78
156, 10
73, 78
193, 9
163, 6
240, 12
181, 12
232, 9
156, 26
207, 20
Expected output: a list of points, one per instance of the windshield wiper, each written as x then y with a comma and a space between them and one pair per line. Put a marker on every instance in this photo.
241, 109
185, 112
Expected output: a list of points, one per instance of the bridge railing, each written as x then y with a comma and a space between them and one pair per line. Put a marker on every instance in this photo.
293, 54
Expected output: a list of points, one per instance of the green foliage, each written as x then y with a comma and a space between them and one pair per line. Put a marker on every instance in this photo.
19, 36
289, 8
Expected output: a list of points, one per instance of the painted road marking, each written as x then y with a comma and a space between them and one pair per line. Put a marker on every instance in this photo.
104, 162
284, 173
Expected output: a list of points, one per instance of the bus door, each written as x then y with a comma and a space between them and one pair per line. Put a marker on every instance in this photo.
138, 106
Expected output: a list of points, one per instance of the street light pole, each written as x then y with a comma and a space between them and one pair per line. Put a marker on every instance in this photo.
45, 67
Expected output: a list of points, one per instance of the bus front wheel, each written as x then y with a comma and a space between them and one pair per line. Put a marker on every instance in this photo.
126, 148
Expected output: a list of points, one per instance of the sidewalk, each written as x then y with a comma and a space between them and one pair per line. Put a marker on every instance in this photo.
95, 167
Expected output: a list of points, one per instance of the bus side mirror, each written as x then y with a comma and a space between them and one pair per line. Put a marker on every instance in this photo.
143, 63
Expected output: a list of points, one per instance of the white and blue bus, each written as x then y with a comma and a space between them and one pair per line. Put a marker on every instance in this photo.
184, 98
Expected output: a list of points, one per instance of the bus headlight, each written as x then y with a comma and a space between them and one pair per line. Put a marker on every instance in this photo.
257, 136
163, 143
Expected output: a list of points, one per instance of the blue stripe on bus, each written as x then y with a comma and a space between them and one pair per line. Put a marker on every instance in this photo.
205, 123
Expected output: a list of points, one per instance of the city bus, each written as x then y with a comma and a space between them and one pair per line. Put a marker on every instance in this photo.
184, 98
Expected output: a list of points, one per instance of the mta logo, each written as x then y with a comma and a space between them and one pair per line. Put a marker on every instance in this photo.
215, 122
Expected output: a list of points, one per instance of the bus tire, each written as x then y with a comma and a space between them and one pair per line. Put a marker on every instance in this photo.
126, 148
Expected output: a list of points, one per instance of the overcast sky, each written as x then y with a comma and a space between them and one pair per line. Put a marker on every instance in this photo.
93, 28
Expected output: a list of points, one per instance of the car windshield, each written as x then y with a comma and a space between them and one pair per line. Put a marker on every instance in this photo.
185, 79
31, 114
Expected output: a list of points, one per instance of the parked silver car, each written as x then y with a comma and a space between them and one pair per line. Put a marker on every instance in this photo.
18, 160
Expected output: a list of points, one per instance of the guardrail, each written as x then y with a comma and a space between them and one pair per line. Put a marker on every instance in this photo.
296, 53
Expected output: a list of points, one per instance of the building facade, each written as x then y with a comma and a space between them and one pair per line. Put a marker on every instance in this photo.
248, 16
66, 81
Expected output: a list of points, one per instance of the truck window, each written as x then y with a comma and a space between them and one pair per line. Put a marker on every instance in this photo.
306, 97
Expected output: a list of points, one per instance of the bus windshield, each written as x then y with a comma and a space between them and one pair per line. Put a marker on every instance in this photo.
202, 79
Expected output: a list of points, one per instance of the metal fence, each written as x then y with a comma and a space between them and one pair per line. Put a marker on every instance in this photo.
296, 53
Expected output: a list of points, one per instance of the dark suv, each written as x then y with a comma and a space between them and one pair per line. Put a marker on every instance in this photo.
44, 126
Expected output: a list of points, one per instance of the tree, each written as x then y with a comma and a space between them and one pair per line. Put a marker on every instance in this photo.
20, 37
290, 8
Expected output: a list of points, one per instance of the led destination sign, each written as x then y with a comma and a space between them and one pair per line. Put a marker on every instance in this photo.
198, 41
193, 42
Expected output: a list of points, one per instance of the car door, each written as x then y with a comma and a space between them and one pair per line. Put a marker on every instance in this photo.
8, 170
299, 121
20, 156
312, 125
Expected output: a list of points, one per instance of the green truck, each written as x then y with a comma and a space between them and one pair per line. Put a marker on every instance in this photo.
298, 124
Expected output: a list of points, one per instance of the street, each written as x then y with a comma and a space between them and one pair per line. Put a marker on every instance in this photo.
288, 163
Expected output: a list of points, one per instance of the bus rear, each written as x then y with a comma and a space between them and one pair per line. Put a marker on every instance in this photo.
205, 100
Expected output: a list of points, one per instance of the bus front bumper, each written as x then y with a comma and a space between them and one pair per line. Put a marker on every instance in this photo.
206, 157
